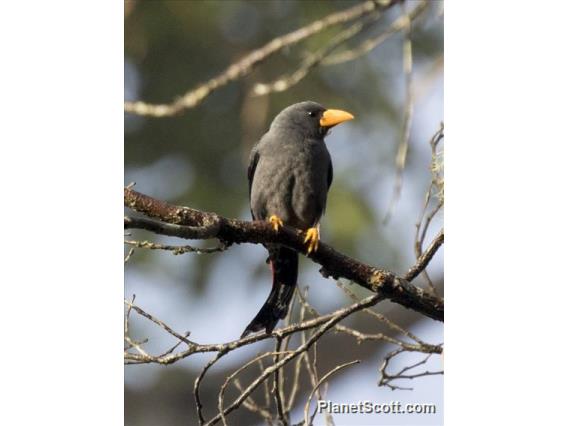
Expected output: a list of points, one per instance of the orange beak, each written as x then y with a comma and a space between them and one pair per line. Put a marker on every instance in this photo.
332, 117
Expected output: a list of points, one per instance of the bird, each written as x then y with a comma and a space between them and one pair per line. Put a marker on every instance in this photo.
289, 175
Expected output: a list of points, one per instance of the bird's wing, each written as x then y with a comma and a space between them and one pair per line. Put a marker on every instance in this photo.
254, 156
329, 180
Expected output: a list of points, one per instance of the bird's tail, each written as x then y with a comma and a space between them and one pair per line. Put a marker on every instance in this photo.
284, 264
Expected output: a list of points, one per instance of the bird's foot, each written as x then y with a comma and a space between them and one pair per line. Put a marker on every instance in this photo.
312, 239
276, 222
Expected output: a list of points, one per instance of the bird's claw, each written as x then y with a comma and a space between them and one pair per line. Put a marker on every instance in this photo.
276, 222
312, 239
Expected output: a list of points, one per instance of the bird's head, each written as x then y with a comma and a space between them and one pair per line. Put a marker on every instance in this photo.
310, 118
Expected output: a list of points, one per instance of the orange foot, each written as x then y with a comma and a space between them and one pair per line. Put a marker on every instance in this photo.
276, 222
312, 239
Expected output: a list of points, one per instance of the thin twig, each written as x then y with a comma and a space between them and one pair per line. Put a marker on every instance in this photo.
417, 241
420, 346
129, 255
198, 381
426, 257
136, 345
387, 378
381, 317
424, 221
127, 316
175, 249
247, 64
266, 385
221, 396
402, 149
277, 388
309, 420
313, 60
252, 406
302, 348
221, 347
158, 322
374, 42
298, 364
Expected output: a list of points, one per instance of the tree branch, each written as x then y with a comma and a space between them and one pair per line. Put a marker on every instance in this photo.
247, 64
387, 378
196, 224
286, 81
404, 142
283, 361
310, 420
426, 257
374, 42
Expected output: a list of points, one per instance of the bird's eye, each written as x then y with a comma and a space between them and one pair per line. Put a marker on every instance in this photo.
312, 113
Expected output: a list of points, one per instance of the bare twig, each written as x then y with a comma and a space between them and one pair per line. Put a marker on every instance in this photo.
174, 249
127, 316
313, 60
426, 257
251, 405
420, 346
277, 387
247, 64
323, 57
309, 420
198, 381
402, 150
210, 230
321, 322
387, 378
129, 255
298, 364
437, 164
436, 184
266, 385
302, 348
157, 321
229, 346
427, 221
136, 345
220, 399
380, 316
335, 264
374, 42
312, 369
418, 242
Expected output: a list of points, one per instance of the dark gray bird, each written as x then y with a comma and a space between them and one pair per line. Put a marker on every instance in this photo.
289, 174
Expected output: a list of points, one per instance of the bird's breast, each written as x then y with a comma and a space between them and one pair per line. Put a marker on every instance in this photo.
291, 185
